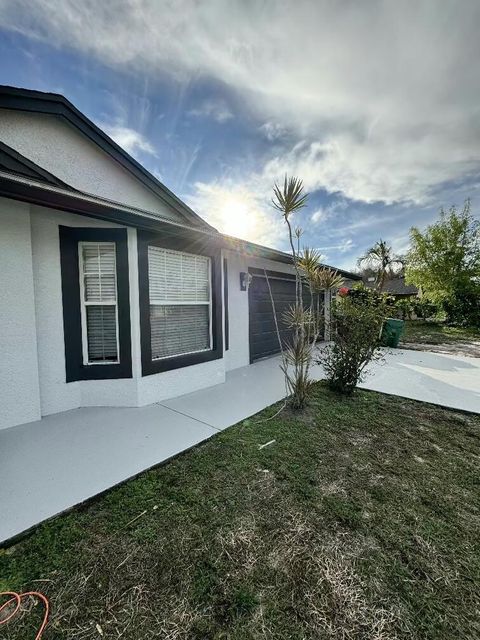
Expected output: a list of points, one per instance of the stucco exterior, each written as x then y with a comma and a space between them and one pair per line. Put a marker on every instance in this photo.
57, 146
19, 388
32, 379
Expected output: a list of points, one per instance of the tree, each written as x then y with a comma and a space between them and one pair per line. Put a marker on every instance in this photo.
305, 317
381, 259
444, 263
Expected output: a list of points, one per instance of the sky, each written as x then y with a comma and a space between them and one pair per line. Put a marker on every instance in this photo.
375, 105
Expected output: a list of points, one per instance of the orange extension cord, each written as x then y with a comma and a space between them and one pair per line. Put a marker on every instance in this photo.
17, 598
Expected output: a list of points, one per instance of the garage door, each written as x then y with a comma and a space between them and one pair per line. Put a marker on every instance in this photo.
263, 335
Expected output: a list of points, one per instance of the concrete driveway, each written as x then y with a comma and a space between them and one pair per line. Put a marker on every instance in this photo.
446, 380
57, 462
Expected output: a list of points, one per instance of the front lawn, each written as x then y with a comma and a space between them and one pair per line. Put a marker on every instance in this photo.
360, 521
421, 332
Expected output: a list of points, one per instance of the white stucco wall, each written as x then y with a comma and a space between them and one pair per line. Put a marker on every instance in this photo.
238, 354
19, 390
63, 150
177, 382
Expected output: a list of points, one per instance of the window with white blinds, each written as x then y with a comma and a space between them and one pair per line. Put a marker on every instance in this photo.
180, 302
98, 293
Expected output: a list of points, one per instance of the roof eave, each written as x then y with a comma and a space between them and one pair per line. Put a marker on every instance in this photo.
74, 201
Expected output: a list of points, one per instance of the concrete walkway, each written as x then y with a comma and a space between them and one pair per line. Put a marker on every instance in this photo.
51, 465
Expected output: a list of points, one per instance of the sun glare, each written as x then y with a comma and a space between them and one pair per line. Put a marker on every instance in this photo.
237, 217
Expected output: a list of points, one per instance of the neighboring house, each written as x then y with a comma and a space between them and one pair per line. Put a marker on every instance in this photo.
113, 291
395, 286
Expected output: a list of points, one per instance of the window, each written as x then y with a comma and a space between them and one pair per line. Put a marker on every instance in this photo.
180, 302
98, 297
96, 303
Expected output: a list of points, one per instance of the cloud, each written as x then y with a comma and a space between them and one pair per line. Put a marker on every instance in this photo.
343, 247
383, 97
129, 139
216, 109
272, 131
324, 213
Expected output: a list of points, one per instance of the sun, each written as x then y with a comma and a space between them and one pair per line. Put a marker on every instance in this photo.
237, 217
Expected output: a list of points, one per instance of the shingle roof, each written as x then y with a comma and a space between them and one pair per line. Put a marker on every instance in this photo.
396, 286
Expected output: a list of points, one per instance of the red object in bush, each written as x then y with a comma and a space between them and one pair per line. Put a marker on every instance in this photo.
343, 291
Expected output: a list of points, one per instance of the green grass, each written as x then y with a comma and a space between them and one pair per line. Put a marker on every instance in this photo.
361, 521
422, 332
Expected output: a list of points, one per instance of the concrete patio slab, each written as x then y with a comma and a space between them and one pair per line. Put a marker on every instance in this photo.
50, 465
246, 391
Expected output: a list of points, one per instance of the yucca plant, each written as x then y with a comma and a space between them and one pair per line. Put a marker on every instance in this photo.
305, 318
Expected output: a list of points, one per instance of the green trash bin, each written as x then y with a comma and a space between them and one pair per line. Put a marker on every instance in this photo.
392, 332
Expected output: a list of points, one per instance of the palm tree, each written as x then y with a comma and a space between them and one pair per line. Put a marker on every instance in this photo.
381, 259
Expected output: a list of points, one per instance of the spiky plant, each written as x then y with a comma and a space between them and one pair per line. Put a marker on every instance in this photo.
381, 259
304, 318
288, 200
328, 280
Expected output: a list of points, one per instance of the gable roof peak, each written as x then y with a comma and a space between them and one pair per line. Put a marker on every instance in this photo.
34, 101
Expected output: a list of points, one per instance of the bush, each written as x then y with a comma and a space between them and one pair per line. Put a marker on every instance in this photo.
356, 330
404, 308
464, 309
425, 309
362, 294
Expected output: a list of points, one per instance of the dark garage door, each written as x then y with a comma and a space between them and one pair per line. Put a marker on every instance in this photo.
263, 335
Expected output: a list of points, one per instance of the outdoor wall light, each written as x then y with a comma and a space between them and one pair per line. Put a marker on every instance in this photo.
244, 280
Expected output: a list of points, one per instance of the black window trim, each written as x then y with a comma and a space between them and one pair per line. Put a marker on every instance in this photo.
225, 302
150, 366
75, 369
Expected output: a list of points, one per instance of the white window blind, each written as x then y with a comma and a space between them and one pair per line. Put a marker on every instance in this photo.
98, 290
180, 302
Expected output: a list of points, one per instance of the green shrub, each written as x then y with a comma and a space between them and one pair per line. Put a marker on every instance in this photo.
372, 297
464, 309
425, 309
355, 341
404, 308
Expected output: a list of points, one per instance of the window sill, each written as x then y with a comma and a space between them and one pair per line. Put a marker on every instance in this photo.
177, 362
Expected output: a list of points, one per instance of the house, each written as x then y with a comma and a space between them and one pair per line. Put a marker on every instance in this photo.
113, 291
395, 286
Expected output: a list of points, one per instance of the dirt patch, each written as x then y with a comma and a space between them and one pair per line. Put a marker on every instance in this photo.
471, 349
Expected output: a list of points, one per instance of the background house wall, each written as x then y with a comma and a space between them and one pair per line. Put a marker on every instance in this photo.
56, 394
19, 390
60, 148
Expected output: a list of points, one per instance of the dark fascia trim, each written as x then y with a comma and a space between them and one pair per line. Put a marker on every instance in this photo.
225, 304
32, 169
254, 271
191, 245
56, 104
251, 249
73, 202
72, 324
